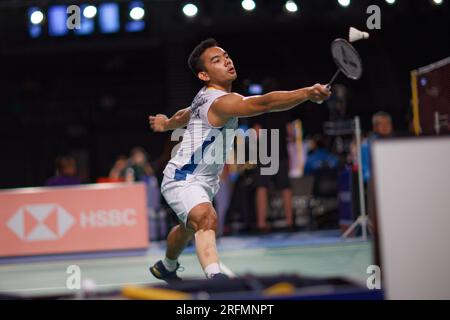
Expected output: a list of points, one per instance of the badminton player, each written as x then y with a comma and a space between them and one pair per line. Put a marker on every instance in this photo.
189, 186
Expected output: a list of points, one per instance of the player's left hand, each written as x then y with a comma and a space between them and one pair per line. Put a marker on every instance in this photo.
158, 122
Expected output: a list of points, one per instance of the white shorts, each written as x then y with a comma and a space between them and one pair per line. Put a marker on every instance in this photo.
184, 195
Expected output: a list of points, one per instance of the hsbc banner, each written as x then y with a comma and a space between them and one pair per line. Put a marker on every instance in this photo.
48, 220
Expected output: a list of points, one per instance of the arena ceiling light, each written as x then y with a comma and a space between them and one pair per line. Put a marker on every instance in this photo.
344, 3
190, 10
390, 1
248, 5
437, 2
36, 17
291, 6
90, 12
137, 13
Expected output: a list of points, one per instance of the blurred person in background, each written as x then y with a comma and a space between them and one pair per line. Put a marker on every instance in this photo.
382, 125
118, 170
280, 180
66, 172
319, 157
138, 169
138, 166
381, 128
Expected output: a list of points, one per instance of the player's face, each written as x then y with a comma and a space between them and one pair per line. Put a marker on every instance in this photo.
218, 66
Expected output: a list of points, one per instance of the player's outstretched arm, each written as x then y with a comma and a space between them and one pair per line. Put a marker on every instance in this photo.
160, 122
235, 105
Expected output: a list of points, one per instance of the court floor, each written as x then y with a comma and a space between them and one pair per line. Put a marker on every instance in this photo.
319, 254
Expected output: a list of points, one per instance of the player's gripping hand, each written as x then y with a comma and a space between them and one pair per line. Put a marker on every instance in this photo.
318, 93
158, 123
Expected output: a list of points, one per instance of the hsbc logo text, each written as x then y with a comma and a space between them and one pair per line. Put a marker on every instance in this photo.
108, 218
40, 222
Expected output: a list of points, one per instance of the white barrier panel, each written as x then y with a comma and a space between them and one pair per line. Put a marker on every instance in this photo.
412, 188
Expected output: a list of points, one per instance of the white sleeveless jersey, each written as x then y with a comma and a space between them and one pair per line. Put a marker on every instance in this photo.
204, 148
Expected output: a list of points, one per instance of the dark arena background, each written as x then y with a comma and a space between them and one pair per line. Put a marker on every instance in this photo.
81, 169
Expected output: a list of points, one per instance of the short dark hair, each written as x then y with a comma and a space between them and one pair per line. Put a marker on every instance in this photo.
195, 63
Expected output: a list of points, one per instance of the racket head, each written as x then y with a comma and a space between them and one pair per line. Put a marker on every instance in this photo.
347, 59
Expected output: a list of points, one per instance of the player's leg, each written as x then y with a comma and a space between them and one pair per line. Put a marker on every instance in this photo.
203, 219
179, 236
177, 240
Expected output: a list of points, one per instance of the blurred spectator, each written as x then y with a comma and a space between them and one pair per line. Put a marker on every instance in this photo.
66, 172
280, 180
381, 128
138, 166
118, 170
296, 148
239, 179
382, 124
337, 104
319, 157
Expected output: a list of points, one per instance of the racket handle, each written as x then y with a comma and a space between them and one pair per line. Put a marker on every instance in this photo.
328, 87
331, 82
